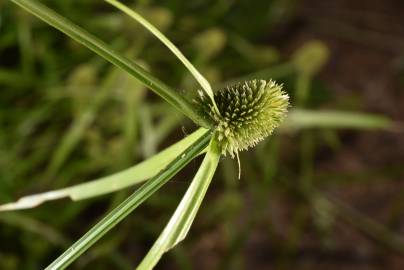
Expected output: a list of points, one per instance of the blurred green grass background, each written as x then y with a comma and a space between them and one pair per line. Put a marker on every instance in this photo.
325, 192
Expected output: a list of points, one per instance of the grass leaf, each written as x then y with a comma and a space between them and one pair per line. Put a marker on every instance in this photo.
133, 201
111, 183
300, 119
197, 75
102, 49
180, 222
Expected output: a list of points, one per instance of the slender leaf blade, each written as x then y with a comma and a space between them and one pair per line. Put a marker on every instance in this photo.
127, 206
111, 183
102, 49
300, 119
197, 75
180, 222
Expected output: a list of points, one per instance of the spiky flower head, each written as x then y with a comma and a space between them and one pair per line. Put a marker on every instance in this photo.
248, 112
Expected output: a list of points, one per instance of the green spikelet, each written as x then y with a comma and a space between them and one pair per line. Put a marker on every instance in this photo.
249, 112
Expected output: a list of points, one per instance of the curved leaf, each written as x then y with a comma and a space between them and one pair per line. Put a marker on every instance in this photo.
111, 183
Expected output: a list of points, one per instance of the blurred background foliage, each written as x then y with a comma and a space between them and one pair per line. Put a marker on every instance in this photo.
325, 192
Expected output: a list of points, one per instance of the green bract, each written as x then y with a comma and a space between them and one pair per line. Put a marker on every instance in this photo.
249, 112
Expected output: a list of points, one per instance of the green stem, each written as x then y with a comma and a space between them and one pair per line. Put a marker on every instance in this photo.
178, 226
102, 49
127, 206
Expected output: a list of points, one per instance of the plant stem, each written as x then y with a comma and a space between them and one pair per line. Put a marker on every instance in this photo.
102, 49
127, 206
180, 222
152, 29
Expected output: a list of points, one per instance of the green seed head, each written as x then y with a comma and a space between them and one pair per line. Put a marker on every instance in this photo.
248, 112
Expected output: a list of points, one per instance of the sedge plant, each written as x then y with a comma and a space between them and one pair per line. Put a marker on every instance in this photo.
230, 120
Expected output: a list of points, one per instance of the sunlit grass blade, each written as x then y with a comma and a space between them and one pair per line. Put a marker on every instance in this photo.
300, 119
136, 16
111, 183
180, 222
133, 201
102, 49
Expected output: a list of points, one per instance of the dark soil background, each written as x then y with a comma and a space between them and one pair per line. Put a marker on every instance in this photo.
366, 40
